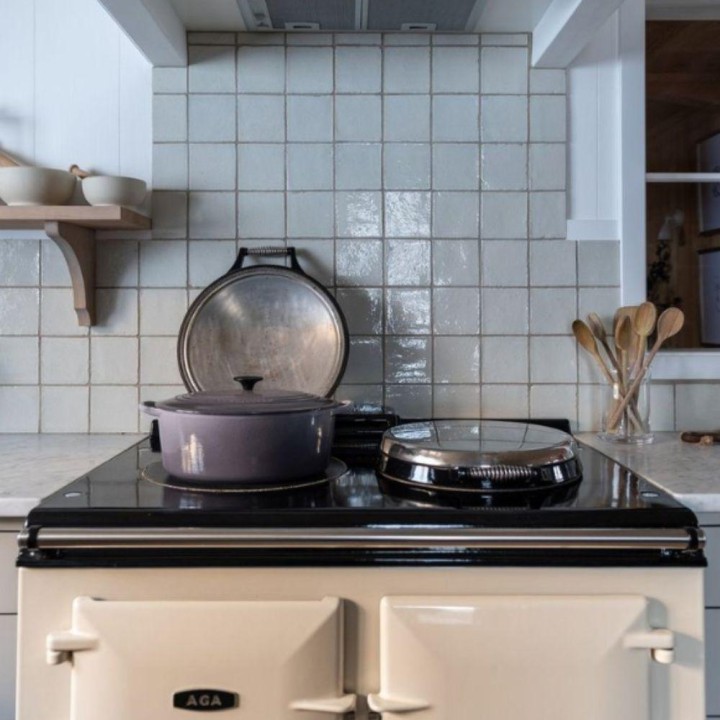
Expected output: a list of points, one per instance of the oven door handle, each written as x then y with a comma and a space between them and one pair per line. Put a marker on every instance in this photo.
381, 703
333, 706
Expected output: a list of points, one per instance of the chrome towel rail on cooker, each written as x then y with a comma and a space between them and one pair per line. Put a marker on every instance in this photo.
267, 320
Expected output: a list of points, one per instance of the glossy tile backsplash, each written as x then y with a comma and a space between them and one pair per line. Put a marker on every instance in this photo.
421, 178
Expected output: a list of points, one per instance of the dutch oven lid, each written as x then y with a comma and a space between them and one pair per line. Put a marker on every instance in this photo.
477, 444
264, 320
245, 401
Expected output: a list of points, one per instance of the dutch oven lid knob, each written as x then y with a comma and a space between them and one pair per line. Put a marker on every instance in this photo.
248, 382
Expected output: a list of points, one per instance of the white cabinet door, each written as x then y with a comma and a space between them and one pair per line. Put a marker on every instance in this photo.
159, 660
516, 658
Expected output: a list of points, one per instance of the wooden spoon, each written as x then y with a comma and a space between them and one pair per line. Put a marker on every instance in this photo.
586, 339
623, 343
621, 312
669, 323
598, 330
8, 160
78, 172
643, 326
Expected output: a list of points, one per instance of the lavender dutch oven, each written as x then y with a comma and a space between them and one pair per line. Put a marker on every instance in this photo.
244, 435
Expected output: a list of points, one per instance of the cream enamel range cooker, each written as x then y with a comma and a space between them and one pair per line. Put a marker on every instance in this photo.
539, 581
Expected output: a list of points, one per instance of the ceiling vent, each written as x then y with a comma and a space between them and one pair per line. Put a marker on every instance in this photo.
358, 15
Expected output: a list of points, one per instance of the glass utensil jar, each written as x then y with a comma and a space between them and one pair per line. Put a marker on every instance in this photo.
632, 425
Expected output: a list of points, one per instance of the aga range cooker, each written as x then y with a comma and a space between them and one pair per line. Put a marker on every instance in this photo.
540, 580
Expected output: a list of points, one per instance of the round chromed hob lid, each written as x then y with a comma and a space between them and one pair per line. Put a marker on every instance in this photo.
479, 456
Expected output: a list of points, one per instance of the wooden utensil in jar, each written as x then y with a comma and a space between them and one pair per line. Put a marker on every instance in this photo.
598, 330
643, 325
586, 339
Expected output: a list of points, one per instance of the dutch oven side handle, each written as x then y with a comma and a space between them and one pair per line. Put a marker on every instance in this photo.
266, 252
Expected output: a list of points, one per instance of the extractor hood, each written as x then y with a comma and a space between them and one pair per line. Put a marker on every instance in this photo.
354, 15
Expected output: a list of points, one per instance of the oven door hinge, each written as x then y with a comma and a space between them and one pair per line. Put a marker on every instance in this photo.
660, 642
60, 646
333, 706
380, 703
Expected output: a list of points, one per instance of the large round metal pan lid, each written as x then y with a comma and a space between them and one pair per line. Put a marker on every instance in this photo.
268, 321
477, 443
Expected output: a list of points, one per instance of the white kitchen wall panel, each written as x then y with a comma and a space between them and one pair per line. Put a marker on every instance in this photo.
435, 213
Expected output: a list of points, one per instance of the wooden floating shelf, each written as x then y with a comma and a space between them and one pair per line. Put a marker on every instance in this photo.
72, 228
682, 177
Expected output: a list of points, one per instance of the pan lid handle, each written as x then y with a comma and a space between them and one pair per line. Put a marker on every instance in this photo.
266, 252
248, 382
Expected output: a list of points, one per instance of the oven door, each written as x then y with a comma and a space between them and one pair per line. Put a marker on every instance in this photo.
159, 660
518, 657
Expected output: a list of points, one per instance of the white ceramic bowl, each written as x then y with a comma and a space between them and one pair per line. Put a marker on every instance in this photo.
113, 190
35, 186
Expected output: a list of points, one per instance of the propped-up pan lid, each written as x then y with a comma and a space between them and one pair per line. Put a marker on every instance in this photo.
267, 320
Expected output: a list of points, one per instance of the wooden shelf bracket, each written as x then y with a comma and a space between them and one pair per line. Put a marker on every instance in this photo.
77, 245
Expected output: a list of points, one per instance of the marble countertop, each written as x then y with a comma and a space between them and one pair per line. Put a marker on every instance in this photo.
690, 472
34, 466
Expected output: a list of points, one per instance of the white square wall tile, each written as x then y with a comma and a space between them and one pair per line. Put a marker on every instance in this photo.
309, 118
170, 118
407, 311
358, 214
19, 360
505, 401
410, 401
64, 409
170, 166
261, 118
455, 166
209, 259
261, 215
504, 360
117, 312
162, 311
309, 70
504, 215
455, 39
57, 314
696, 405
114, 360
548, 118
169, 80
212, 166
20, 262
19, 409
407, 262
504, 118
553, 262
662, 407
455, 70
359, 263
456, 401
163, 263
455, 118
64, 361
548, 215
456, 311
358, 166
553, 360
599, 262
310, 166
505, 311
211, 69
408, 360
504, 71
358, 70
603, 301
261, 166
591, 404
365, 361
406, 166
504, 166
406, 118
113, 409
547, 82
212, 214
158, 361
504, 263
554, 401
310, 215
116, 263
212, 118
53, 268
317, 258
363, 309
407, 214
455, 214
358, 118
552, 310
19, 311
456, 360
261, 69
455, 262
547, 166
406, 70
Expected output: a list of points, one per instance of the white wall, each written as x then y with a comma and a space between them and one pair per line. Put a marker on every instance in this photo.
73, 88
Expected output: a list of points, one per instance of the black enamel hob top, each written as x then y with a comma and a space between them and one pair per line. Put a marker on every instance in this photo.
129, 494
